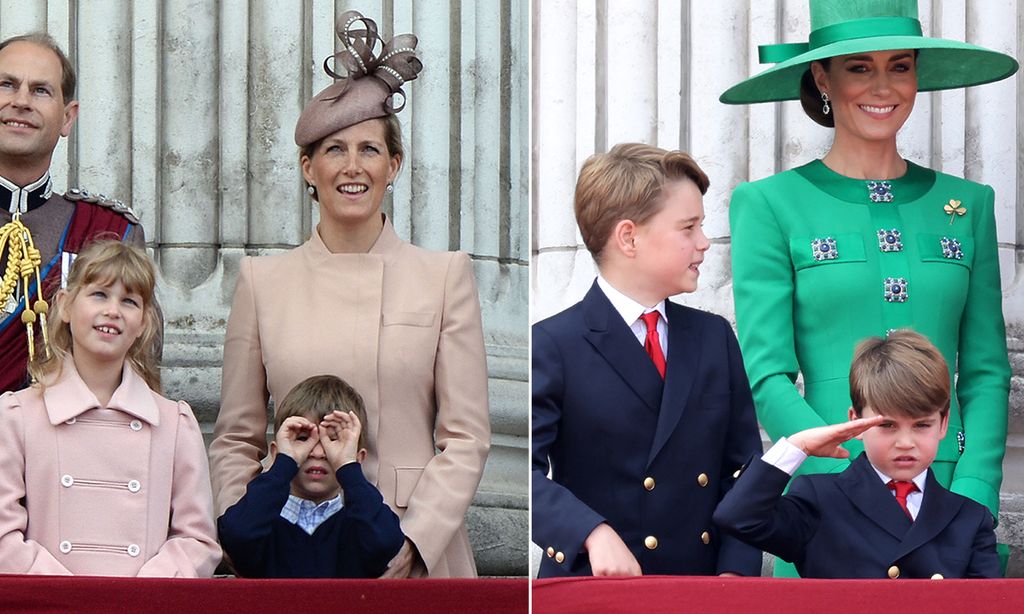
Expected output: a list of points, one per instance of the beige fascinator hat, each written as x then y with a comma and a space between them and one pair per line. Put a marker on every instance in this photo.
369, 75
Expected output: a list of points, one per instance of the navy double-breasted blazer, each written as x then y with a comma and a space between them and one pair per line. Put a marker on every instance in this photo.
849, 525
651, 458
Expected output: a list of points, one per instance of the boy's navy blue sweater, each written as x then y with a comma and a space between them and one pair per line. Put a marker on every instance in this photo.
357, 542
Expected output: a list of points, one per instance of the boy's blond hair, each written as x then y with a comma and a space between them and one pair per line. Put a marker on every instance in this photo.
318, 396
626, 184
104, 261
902, 374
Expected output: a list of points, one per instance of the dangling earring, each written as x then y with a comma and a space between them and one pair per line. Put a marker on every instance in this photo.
390, 188
825, 109
311, 189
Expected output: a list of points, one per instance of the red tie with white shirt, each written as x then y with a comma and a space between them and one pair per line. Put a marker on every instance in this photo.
653, 343
902, 489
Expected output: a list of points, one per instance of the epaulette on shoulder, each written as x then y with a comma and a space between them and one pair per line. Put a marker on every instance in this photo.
75, 194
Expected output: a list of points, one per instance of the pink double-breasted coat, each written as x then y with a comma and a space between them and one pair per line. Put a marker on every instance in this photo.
401, 325
121, 490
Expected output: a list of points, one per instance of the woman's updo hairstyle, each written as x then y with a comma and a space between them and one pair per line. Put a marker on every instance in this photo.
810, 97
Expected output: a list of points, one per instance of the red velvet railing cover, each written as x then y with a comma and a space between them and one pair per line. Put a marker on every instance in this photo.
86, 595
679, 595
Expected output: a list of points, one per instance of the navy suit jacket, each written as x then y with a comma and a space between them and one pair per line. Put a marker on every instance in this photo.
651, 458
849, 525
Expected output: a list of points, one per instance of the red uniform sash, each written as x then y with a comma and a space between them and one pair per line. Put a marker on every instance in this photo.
87, 221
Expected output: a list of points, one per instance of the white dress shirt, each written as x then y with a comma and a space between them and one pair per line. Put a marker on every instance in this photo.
631, 311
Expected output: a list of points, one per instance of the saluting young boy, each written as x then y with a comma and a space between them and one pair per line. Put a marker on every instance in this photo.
886, 513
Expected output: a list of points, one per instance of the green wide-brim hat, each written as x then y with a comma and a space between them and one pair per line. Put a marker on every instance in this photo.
844, 27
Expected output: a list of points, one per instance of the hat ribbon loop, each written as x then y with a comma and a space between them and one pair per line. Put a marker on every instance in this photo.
356, 56
395, 64
779, 52
870, 27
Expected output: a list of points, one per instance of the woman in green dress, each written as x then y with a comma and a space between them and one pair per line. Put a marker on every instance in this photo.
863, 241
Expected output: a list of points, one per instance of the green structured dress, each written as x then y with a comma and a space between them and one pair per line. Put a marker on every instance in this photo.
818, 265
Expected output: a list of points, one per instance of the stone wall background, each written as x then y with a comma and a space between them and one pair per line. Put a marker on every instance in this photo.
642, 70
187, 112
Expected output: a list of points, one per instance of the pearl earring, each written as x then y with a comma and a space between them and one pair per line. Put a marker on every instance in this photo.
390, 188
311, 189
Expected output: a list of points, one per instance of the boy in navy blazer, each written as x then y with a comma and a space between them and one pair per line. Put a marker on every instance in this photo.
885, 516
642, 413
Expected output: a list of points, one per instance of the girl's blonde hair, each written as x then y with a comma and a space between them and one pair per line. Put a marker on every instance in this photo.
104, 262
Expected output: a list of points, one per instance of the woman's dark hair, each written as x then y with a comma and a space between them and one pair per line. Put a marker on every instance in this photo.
810, 96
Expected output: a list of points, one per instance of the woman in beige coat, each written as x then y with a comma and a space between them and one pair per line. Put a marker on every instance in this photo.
400, 324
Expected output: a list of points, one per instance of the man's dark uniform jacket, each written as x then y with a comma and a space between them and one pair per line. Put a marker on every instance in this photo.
60, 224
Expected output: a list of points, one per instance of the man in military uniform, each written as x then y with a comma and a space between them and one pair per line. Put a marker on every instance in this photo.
42, 230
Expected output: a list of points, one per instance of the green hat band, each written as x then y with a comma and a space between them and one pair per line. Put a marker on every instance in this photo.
865, 28
847, 30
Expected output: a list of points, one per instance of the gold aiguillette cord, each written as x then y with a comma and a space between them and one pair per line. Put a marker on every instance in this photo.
23, 260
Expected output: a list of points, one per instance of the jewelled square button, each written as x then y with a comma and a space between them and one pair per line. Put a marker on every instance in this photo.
880, 191
890, 240
951, 249
824, 249
896, 290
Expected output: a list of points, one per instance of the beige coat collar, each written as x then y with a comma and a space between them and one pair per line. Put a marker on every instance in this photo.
70, 397
386, 245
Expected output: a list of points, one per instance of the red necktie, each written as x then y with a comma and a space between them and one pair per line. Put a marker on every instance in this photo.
902, 490
652, 343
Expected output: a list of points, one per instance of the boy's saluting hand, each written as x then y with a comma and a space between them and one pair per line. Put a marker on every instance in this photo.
824, 441
339, 434
297, 437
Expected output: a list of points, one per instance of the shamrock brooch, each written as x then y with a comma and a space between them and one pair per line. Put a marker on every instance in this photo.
953, 209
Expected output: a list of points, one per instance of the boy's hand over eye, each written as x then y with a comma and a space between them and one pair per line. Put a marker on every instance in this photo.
824, 441
339, 434
297, 437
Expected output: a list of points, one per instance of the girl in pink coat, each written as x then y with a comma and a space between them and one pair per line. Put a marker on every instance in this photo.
99, 474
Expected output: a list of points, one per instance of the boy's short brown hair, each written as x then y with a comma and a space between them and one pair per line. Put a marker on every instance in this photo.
317, 396
902, 374
625, 184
